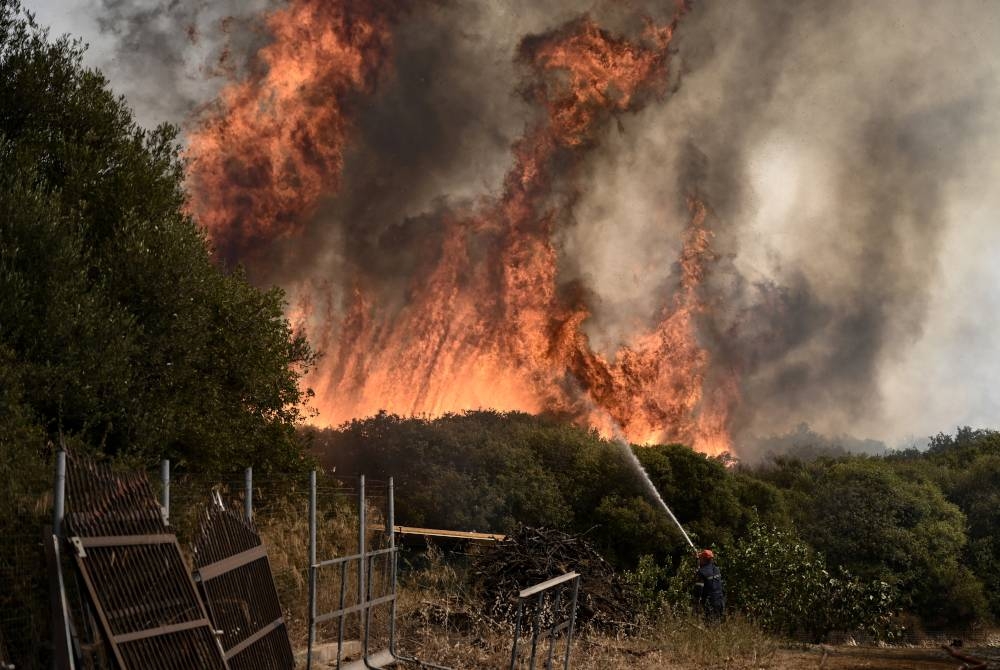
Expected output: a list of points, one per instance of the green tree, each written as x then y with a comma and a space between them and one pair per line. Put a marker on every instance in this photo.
118, 323
782, 583
864, 516
975, 488
714, 502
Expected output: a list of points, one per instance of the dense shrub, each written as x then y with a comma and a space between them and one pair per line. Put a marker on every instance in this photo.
783, 584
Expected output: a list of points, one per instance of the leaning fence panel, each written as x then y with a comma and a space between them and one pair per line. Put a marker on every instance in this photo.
548, 611
133, 572
233, 571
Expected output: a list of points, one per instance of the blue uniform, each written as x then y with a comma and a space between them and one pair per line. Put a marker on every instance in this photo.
709, 590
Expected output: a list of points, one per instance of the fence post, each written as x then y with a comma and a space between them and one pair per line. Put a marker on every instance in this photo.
248, 493
312, 569
572, 621
362, 550
59, 495
63, 657
165, 478
390, 522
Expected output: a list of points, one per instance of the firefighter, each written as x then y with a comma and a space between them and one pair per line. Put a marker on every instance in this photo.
709, 589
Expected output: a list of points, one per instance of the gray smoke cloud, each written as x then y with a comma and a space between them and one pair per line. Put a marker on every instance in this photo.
848, 152
841, 143
166, 57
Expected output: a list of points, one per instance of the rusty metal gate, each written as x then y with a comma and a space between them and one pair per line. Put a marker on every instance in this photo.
134, 574
234, 574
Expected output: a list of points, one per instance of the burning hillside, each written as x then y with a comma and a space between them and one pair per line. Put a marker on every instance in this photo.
486, 321
473, 206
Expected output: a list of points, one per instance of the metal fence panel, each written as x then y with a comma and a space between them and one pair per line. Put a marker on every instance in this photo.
235, 577
550, 612
134, 574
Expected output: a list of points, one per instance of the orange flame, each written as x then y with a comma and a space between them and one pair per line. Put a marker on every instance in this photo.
273, 144
492, 330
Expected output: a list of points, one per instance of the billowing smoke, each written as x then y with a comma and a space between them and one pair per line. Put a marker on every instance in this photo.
170, 58
813, 164
840, 139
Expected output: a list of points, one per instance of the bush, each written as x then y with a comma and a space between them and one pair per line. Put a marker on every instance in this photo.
780, 582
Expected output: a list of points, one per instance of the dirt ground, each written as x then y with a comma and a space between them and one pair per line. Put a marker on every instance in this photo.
856, 658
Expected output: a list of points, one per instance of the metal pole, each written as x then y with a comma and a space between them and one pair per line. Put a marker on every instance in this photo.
59, 499
248, 493
165, 478
312, 569
63, 657
342, 617
535, 629
555, 624
517, 633
572, 621
390, 505
391, 513
362, 547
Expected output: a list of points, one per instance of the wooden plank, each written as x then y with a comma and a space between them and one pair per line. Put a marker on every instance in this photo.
438, 532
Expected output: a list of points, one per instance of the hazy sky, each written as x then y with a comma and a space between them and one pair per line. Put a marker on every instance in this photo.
946, 371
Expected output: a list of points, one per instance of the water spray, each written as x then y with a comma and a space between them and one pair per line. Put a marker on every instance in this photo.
634, 462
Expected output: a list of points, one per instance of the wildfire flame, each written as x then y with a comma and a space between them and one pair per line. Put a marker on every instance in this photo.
486, 322
273, 144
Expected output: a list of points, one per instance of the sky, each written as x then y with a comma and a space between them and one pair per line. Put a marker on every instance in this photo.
939, 363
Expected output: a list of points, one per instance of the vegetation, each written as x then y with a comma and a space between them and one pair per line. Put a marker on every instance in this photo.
808, 546
118, 332
116, 327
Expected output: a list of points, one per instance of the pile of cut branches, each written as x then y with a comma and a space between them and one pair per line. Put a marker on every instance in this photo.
532, 555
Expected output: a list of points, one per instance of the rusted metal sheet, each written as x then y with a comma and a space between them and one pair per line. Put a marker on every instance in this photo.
135, 577
234, 574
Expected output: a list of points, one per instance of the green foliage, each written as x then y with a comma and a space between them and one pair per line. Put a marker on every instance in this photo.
783, 584
490, 471
714, 502
869, 519
867, 534
647, 582
120, 327
967, 468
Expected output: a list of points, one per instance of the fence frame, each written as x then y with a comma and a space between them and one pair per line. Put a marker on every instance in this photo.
367, 601
528, 597
227, 545
110, 524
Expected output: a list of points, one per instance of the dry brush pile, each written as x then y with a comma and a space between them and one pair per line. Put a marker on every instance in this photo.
529, 556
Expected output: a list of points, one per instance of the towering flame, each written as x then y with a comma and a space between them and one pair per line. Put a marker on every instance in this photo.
486, 321
273, 144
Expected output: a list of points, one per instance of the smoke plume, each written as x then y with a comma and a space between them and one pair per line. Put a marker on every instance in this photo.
694, 224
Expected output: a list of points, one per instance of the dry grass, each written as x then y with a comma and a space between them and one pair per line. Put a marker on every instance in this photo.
732, 645
285, 532
439, 620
